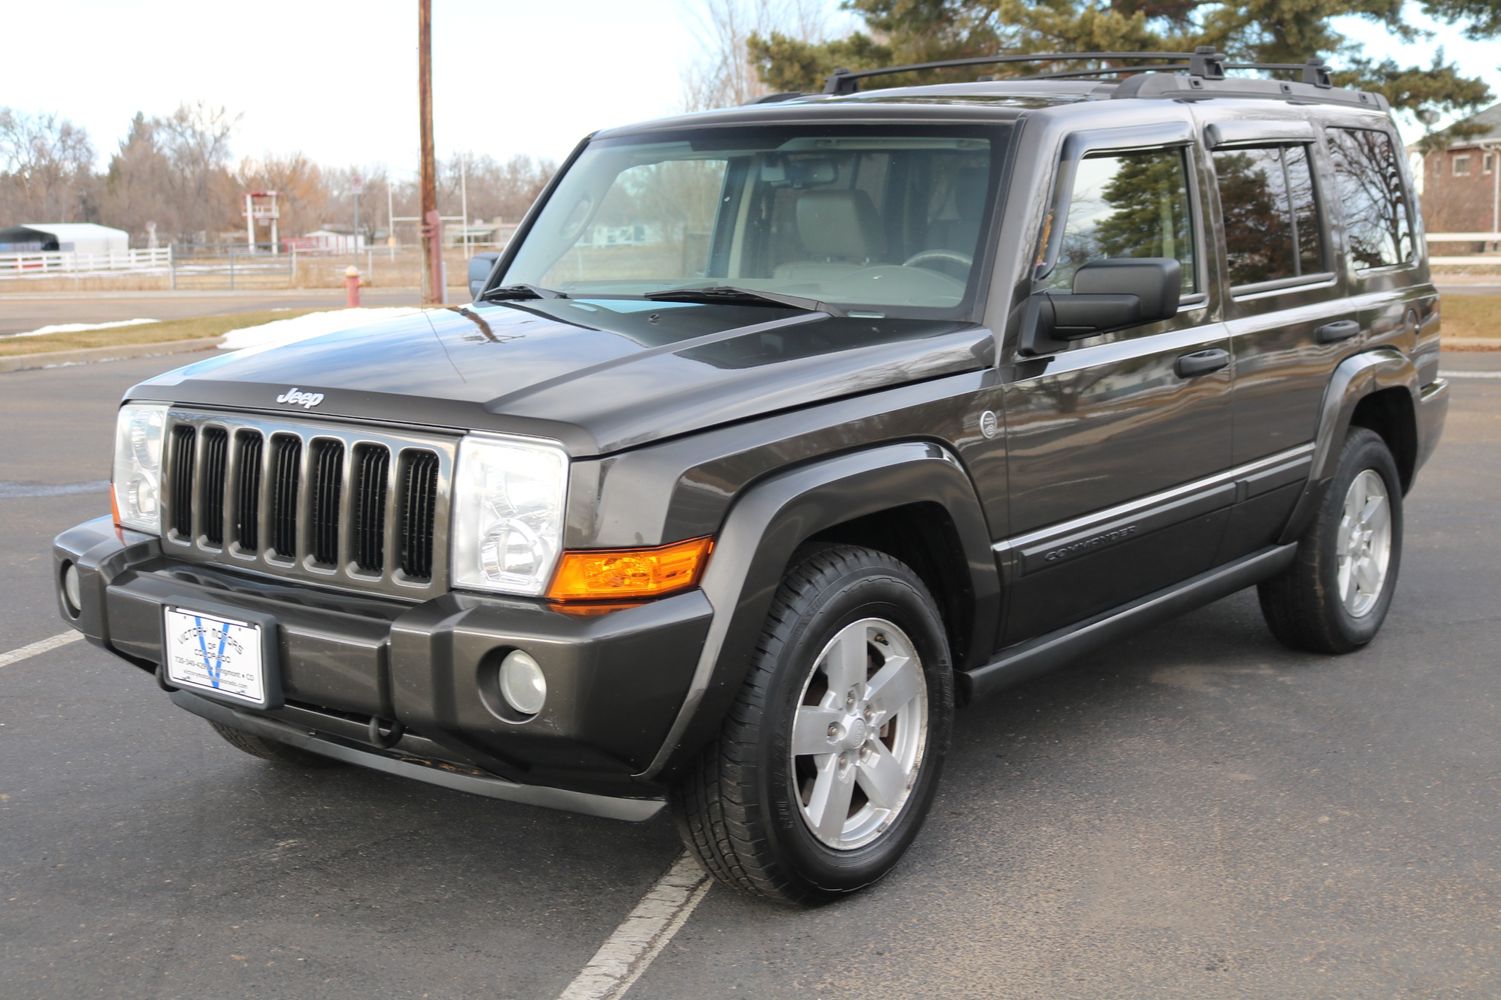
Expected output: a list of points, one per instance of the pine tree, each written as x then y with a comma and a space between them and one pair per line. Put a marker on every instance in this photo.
906, 31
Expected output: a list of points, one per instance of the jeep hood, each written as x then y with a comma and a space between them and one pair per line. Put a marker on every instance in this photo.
600, 375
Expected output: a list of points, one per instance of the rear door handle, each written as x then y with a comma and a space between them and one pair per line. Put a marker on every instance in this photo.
1201, 363
1342, 329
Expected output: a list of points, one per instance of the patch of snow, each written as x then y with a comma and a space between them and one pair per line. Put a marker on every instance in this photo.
288, 331
81, 327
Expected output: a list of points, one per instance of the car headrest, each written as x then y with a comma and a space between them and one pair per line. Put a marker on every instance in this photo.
839, 225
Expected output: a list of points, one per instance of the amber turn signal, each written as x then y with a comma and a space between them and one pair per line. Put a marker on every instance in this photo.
629, 574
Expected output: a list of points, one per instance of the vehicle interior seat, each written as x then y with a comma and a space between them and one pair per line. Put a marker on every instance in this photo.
840, 231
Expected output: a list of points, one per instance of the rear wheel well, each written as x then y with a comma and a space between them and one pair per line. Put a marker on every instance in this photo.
923, 536
1390, 414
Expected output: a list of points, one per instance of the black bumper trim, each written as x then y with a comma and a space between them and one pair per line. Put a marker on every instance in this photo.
609, 807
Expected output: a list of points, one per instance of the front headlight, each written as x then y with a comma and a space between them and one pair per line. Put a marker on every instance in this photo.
508, 498
138, 465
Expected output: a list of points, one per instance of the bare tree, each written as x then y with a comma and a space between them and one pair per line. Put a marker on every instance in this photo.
45, 169
195, 138
303, 201
723, 75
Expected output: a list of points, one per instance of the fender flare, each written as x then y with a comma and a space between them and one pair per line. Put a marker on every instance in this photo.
1354, 378
763, 529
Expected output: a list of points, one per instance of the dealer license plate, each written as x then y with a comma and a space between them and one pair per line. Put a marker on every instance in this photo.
221, 656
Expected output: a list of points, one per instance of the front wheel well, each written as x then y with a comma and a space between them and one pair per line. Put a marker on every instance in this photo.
1390, 414
923, 536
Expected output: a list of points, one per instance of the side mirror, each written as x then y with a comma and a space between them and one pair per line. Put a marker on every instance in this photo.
1110, 294
480, 266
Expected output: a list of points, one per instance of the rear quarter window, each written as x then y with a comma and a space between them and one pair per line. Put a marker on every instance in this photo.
1372, 197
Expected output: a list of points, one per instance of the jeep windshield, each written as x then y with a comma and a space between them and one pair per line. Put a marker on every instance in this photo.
881, 219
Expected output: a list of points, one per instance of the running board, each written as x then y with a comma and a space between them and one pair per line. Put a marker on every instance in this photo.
1026, 660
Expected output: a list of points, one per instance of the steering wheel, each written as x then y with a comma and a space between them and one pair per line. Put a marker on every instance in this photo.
925, 258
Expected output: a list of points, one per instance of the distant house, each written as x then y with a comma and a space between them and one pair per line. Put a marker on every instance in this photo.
67, 237
1462, 183
329, 239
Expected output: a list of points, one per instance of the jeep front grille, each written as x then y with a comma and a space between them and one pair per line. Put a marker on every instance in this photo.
337, 504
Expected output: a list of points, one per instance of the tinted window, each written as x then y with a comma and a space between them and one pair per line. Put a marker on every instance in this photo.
1270, 214
1368, 184
1127, 205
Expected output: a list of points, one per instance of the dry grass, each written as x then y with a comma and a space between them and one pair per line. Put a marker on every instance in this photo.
146, 333
1466, 316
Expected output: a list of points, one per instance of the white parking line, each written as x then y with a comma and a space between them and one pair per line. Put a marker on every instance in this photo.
643, 934
38, 648
1470, 374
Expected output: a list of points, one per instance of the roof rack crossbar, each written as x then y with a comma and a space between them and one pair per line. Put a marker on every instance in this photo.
1089, 74
1203, 61
1315, 71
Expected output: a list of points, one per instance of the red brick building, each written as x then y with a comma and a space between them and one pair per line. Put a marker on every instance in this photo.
1462, 184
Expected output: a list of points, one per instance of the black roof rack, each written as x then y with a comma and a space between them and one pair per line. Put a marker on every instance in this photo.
1204, 63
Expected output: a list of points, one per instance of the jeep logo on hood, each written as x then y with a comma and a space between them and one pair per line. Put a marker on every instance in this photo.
296, 397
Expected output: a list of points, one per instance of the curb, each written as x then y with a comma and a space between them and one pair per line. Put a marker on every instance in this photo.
1471, 344
51, 359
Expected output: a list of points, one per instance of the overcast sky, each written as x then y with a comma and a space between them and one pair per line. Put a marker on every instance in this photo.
337, 80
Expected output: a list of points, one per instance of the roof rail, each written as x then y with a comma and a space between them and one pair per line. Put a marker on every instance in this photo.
1203, 61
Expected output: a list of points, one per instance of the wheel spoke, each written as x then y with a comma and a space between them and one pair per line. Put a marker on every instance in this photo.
1367, 575
1378, 516
1347, 583
1355, 502
810, 730
829, 805
846, 662
1345, 536
894, 686
882, 777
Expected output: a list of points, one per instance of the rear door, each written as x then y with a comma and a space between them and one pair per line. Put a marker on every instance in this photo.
1286, 308
1113, 448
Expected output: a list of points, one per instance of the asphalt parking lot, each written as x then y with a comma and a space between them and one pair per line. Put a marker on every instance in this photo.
1197, 813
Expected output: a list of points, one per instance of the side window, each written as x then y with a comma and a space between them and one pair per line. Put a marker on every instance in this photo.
1128, 205
1368, 185
1270, 214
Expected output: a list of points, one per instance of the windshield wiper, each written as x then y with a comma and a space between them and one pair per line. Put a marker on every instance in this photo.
742, 296
523, 291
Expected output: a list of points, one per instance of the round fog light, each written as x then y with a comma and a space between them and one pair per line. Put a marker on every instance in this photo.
521, 683
72, 590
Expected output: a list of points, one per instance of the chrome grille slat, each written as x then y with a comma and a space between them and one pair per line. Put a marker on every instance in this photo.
332, 504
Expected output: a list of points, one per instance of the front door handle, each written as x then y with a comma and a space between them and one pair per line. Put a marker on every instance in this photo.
1201, 363
1342, 329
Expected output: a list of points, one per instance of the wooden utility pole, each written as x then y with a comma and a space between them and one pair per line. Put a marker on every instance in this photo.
432, 247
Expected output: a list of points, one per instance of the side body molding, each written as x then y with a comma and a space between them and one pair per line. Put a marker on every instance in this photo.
1356, 377
767, 524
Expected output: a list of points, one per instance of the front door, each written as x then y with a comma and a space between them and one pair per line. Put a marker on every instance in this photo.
1115, 444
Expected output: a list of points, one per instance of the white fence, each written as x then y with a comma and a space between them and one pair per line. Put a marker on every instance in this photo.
1472, 260
51, 265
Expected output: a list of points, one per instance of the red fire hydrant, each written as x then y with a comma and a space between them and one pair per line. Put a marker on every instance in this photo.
352, 287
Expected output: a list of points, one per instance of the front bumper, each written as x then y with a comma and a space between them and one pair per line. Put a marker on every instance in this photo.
352, 669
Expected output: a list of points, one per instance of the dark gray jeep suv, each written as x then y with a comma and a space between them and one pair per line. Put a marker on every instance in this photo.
776, 431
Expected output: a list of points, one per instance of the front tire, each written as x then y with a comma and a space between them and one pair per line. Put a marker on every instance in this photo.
1336, 594
828, 761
